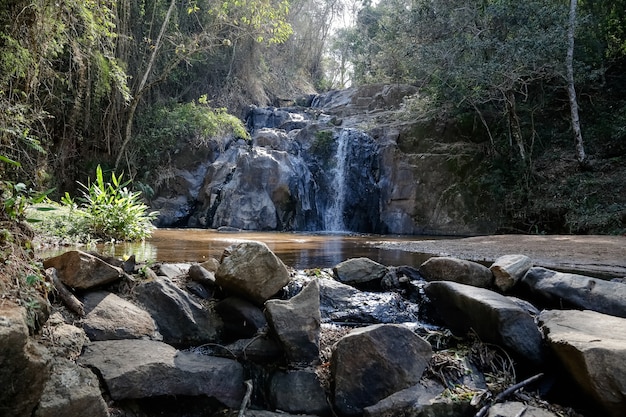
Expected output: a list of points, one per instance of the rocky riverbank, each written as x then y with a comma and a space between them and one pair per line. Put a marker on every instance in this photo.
247, 336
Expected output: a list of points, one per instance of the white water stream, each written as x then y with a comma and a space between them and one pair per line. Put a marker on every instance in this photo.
333, 216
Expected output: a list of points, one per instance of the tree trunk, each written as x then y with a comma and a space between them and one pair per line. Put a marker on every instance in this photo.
514, 122
571, 91
142, 84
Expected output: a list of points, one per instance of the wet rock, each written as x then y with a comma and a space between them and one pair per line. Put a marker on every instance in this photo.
110, 317
507, 270
456, 270
579, 291
252, 270
296, 322
494, 317
374, 362
298, 391
180, 319
259, 349
359, 271
144, 368
198, 290
81, 270
24, 364
71, 391
341, 303
517, 409
241, 318
590, 346
420, 400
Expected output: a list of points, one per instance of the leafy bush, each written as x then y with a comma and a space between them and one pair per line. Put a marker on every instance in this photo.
110, 210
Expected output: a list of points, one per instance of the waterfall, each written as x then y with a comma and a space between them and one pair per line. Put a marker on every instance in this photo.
333, 216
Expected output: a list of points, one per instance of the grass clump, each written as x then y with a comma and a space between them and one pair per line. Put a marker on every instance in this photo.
107, 211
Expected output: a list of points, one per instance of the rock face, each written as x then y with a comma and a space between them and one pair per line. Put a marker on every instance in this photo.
579, 291
346, 161
591, 346
373, 362
253, 271
143, 369
492, 316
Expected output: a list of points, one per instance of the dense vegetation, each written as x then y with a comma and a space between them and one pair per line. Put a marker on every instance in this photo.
117, 83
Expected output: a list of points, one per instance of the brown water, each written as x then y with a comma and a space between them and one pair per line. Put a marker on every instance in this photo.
298, 250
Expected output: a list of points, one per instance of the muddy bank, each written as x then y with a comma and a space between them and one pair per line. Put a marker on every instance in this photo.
600, 256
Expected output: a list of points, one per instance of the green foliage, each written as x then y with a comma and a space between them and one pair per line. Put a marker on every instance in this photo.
323, 144
16, 198
111, 211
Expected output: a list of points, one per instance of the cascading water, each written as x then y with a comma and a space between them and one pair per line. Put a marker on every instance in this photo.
333, 216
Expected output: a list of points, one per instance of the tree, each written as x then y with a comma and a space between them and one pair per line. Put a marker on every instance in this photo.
571, 90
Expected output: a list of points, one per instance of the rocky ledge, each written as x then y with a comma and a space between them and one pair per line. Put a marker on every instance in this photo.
247, 336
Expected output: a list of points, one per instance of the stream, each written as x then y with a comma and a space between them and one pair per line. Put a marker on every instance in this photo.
297, 250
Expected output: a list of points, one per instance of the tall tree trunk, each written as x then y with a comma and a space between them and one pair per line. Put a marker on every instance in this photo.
571, 91
141, 89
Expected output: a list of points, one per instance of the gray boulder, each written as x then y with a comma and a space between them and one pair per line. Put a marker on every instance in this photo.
173, 270
517, 409
71, 391
298, 391
24, 364
133, 369
81, 270
359, 271
296, 322
508, 270
180, 319
373, 362
420, 400
494, 317
199, 273
456, 270
579, 291
591, 347
341, 303
252, 270
110, 317
68, 339
241, 318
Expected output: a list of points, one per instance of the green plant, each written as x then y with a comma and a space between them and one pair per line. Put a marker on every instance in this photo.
111, 211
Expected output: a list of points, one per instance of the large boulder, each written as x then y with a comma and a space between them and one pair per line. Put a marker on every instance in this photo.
373, 362
579, 291
296, 322
81, 270
241, 318
592, 348
508, 270
180, 319
253, 271
24, 364
445, 268
133, 369
111, 317
494, 317
298, 391
71, 391
359, 271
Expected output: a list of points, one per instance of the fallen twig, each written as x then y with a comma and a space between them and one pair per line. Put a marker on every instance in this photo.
246, 398
65, 294
510, 390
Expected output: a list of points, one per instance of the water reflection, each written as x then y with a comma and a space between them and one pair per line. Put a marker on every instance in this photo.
298, 250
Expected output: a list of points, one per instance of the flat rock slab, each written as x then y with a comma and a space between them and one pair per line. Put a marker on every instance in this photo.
592, 347
144, 368
494, 317
577, 291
